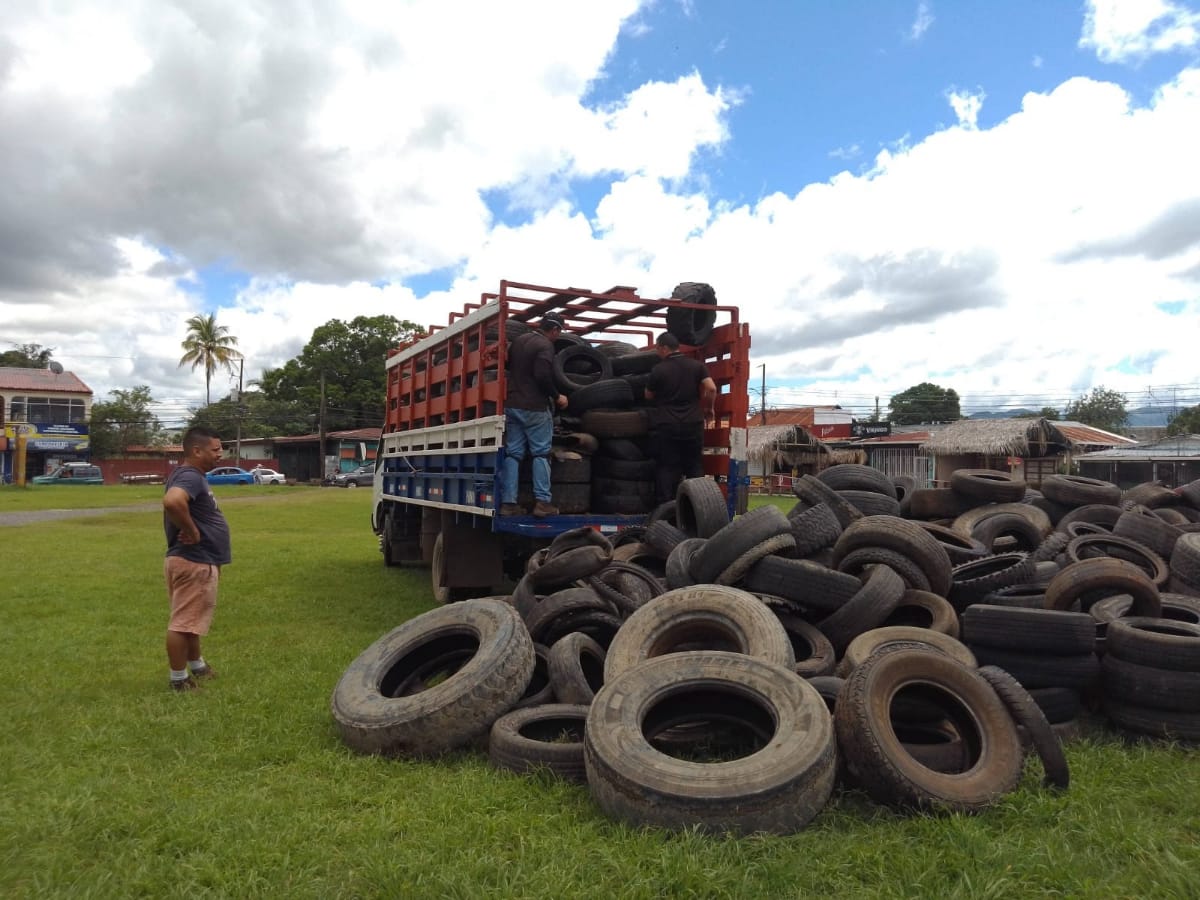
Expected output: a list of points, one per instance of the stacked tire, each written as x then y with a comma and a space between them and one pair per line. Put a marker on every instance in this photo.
1152, 677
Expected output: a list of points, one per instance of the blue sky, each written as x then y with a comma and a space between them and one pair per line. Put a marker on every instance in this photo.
1000, 198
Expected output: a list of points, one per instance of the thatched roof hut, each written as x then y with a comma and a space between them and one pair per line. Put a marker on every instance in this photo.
1019, 437
792, 445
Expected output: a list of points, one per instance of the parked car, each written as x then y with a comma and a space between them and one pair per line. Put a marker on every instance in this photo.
363, 476
267, 476
72, 473
229, 475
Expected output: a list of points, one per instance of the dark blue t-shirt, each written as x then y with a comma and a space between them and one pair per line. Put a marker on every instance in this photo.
214, 547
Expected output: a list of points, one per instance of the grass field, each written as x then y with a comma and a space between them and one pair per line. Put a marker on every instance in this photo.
115, 787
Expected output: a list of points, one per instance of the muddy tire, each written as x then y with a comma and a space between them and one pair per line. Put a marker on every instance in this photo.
546, 737
903, 537
576, 668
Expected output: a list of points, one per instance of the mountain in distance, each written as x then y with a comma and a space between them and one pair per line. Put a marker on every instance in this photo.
1142, 417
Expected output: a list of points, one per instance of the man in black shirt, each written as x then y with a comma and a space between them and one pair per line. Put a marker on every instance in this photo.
528, 420
683, 395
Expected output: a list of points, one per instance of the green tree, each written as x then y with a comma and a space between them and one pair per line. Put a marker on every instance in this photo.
124, 421
1100, 408
27, 356
1186, 421
350, 356
210, 345
260, 416
925, 402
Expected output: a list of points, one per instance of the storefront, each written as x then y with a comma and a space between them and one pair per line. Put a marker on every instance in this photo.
46, 447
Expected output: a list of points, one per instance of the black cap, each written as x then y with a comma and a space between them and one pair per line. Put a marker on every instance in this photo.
550, 321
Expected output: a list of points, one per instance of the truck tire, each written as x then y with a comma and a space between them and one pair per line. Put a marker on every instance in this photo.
854, 477
987, 486
692, 326
576, 668
1163, 643
612, 423
1113, 576
1075, 491
904, 537
779, 788
739, 536
878, 597
639, 363
700, 508
492, 659
546, 737
1027, 714
612, 393
596, 367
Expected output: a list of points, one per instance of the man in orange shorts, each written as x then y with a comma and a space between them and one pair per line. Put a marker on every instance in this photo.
197, 546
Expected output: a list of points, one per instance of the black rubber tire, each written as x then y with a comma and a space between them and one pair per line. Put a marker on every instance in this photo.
625, 469
678, 570
1076, 491
664, 512
924, 609
1058, 705
598, 624
1159, 723
609, 394
1052, 546
741, 535
692, 326
960, 548
1022, 596
539, 691
597, 367
875, 601
904, 537
623, 504
639, 363
576, 668
1150, 685
1086, 578
705, 617
1028, 630
1037, 669
1029, 715
870, 503
854, 477
700, 507
549, 609
526, 740
936, 503
1185, 558
622, 448
871, 641
813, 586
967, 521
735, 573
1018, 532
570, 469
663, 537
972, 581
609, 423
1141, 525
778, 789
1175, 607
987, 486
859, 562
814, 491
1150, 494
574, 554
828, 686
1102, 514
877, 757
813, 528
814, 654
1163, 643
495, 659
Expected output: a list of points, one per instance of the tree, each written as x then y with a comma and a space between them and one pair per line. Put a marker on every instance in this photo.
27, 356
351, 358
925, 402
1101, 408
210, 345
1186, 421
123, 422
260, 417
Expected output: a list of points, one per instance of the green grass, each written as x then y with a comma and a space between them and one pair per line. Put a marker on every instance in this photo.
112, 786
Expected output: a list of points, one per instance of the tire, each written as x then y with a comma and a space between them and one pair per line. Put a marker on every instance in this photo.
813, 586
904, 537
924, 609
639, 363
1175, 607
625, 469
678, 570
526, 740
1028, 630
888, 772
1026, 713
1160, 723
663, 537
739, 537
707, 617
1094, 514
578, 366
539, 691
576, 668
1076, 491
778, 789
870, 503
1155, 642
622, 448
1036, 669
813, 491
572, 556
813, 652
492, 659
972, 581
622, 504
610, 394
874, 602
1017, 529
965, 523
960, 548
1058, 705
859, 562
1150, 494
936, 503
869, 642
550, 609
813, 528
987, 486
1185, 558
607, 423
1141, 525
613, 349
692, 326
853, 477
1112, 576
700, 507
1150, 686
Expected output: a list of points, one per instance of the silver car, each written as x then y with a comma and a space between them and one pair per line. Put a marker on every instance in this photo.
267, 476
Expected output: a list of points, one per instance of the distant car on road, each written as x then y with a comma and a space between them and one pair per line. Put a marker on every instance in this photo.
72, 473
363, 476
229, 475
267, 476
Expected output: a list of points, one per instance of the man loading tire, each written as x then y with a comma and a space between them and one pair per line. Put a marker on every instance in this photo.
683, 394
528, 420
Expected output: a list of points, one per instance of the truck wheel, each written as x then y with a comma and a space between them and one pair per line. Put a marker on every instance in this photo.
542, 737
489, 659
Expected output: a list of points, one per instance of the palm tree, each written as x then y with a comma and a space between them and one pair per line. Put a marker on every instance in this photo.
209, 344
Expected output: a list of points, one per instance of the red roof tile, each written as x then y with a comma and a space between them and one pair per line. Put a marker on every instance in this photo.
17, 379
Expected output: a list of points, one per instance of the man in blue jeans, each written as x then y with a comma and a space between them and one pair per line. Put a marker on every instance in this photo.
528, 420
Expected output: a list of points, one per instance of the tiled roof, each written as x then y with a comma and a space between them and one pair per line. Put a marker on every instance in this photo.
805, 416
354, 434
1185, 446
18, 379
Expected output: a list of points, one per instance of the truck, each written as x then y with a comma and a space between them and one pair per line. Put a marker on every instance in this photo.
441, 452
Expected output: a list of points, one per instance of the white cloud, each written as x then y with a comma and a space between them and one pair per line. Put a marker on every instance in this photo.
1130, 30
923, 21
966, 106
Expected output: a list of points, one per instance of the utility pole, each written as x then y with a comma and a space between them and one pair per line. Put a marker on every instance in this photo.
321, 432
238, 441
763, 396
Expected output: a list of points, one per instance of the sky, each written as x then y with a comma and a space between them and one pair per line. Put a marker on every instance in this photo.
1002, 199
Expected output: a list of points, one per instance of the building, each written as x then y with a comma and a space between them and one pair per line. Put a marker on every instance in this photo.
303, 458
44, 414
1030, 449
786, 443
1174, 461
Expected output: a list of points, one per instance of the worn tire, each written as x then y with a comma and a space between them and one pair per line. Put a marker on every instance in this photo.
1162, 643
813, 652
596, 367
692, 326
778, 789
678, 570
867, 643
705, 617
576, 668
854, 477
1113, 576
814, 491
494, 656
972, 581
924, 609
609, 423
609, 394
859, 562
811, 585
1028, 630
887, 771
904, 537
526, 740
1027, 714
1150, 686
1076, 491
813, 528
875, 601
987, 486
1037, 669
700, 507
740, 536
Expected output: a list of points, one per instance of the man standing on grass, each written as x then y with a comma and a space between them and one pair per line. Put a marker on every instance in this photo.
197, 547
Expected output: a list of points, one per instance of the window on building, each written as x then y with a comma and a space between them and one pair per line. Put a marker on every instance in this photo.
48, 410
